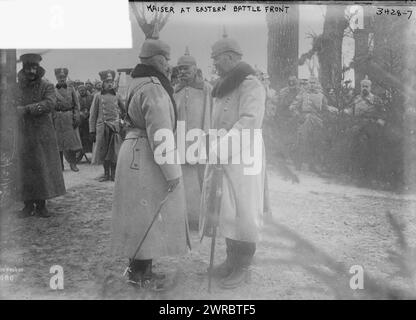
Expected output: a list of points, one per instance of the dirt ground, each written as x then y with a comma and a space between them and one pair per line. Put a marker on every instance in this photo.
320, 229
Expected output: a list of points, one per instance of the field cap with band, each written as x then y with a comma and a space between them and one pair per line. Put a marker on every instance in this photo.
153, 46
107, 75
30, 58
225, 45
186, 59
61, 72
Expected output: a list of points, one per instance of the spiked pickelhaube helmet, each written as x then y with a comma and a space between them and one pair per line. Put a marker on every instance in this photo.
153, 46
186, 59
225, 45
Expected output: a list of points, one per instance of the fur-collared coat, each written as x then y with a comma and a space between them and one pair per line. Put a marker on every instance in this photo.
39, 174
239, 103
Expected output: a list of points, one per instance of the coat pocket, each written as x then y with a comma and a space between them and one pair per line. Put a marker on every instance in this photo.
135, 162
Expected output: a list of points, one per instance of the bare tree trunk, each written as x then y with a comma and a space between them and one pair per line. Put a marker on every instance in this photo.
361, 49
282, 46
7, 126
330, 53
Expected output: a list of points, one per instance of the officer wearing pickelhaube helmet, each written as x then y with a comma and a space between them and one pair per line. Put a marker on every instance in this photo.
39, 176
369, 116
106, 112
67, 119
141, 182
194, 102
240, 98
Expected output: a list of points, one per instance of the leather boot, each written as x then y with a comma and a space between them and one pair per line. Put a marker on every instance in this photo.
153, 281
222, 270
135, 273
41, 210
112, 171
240, 274
73, 167
27, 211
72, 155
106, 175
61, 154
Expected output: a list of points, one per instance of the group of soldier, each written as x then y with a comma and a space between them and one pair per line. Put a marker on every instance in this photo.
57, 122
299, 115
53, 122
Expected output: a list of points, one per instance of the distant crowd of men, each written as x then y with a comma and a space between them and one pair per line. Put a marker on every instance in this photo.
302, 118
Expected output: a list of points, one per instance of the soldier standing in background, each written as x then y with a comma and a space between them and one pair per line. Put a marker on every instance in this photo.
106, 112
98, 85
90, 87
367, 133
85, 101
284, 119
67, 119
39, 173
308, 107
194, 102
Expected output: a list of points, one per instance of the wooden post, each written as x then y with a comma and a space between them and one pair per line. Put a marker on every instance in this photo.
8, 126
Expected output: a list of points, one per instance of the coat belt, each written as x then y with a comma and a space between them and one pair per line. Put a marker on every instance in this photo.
136, 133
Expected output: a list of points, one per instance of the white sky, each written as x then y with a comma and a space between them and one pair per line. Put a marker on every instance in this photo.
196, 30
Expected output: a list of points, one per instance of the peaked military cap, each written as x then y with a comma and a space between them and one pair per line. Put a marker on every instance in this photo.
186, 59
61, 72
225, 45
107, 75
33, 58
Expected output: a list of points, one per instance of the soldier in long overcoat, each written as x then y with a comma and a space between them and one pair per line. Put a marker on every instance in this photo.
308, 108
67, 119
141, 181
367, 133
194, 101
106, 112
239, 104
39, 172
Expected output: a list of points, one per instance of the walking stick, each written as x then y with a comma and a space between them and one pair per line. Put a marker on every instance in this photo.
214, 219
147, 231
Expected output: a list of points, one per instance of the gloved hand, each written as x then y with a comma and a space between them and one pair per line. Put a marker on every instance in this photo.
92, 137
172, 184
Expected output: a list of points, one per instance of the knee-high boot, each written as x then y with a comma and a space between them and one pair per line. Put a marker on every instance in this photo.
61, 154
242, 257
106, 176
113, 171
73, 160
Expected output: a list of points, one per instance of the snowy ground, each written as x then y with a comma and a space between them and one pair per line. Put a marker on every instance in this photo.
320, 229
